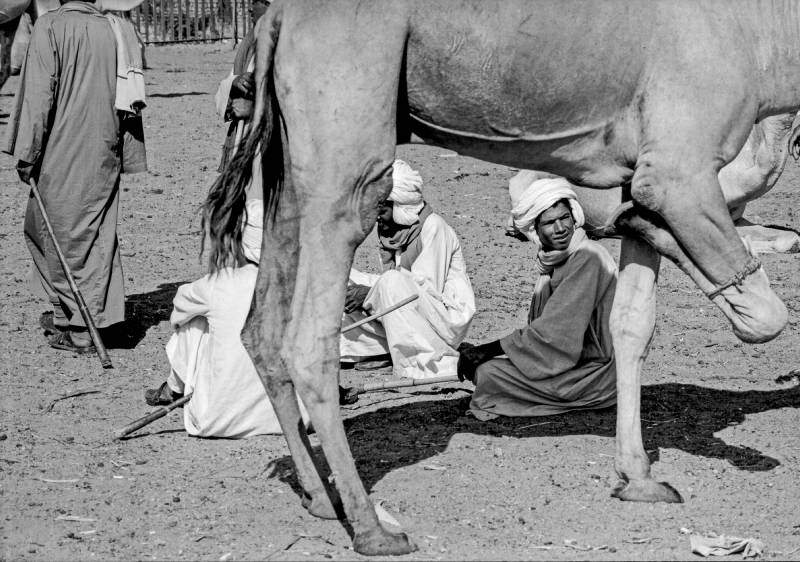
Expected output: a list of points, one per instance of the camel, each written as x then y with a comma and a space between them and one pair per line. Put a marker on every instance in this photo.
653, 96
754, 171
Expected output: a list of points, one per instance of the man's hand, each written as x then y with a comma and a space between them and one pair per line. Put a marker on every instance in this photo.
354, 297
470, 357
242, 108
243, 86
25, 171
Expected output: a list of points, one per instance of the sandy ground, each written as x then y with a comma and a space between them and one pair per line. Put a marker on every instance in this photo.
718, 425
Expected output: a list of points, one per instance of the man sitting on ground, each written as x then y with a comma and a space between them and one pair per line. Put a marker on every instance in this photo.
421, 255
206, 352
563, 359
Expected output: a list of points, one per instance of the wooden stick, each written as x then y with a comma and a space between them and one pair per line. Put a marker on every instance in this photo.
402, 383
380, 313
102, 353
150, 418
163, 411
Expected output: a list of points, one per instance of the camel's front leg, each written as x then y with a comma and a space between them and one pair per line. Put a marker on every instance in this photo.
632, 326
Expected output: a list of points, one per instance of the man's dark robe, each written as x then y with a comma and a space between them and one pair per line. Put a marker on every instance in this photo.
67, 126
564, 359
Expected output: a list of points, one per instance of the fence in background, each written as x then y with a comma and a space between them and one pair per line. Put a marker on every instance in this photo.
177, 21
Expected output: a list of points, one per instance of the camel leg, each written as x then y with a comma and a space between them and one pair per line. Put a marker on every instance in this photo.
632, 325
340, 132
676, 177
331, 229
262, 337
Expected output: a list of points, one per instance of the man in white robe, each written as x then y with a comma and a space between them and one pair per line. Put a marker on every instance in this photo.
206, 352
420, 255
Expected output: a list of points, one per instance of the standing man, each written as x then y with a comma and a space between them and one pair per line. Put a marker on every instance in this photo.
66, 136
563, 359
235, 98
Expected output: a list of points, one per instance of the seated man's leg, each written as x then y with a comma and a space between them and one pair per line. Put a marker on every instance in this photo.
186, 351
368, 340
417, 350
501, 389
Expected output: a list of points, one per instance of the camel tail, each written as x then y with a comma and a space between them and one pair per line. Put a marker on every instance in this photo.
224, 214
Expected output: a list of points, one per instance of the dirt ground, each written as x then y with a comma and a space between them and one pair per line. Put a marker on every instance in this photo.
719, 425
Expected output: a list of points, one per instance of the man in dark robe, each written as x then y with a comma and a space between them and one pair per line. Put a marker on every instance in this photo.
66, 136
563, 359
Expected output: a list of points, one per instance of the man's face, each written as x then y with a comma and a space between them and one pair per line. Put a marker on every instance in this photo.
385, 213
556, 227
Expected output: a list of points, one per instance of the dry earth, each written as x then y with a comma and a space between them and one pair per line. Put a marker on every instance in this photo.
718, 425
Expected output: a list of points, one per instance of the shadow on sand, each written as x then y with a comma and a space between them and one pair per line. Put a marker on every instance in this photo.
142, 312
679, 416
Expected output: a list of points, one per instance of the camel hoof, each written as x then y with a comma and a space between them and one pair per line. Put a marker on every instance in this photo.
319, 505
646, 491
380, 542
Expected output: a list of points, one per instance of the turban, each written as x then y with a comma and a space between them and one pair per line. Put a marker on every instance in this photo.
539, 196
253, 230
406, 194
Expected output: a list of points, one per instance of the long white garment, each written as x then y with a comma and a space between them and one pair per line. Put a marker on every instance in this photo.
421, 337
208, 358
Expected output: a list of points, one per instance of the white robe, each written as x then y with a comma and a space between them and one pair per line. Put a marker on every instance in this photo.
422, 336
208, 358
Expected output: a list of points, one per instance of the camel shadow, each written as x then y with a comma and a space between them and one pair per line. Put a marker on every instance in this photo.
142, 312
679, 416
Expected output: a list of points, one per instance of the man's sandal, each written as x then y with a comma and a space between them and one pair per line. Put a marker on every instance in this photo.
161, 396
63, 340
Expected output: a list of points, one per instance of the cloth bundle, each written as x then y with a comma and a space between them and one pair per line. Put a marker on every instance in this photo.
130, 76
725, 546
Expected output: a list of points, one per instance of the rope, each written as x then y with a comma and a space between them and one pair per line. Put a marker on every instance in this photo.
752, 265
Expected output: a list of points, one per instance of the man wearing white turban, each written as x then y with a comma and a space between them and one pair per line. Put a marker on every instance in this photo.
563, 359
420, 255
206, 353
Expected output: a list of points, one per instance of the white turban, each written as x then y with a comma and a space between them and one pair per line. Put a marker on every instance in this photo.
253, 230
539, 196
406, 194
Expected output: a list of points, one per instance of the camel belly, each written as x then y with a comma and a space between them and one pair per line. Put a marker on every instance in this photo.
470, 85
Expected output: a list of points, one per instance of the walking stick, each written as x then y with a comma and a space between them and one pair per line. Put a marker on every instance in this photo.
163, 411
380, 313
402, 383
102, 353
150, 418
